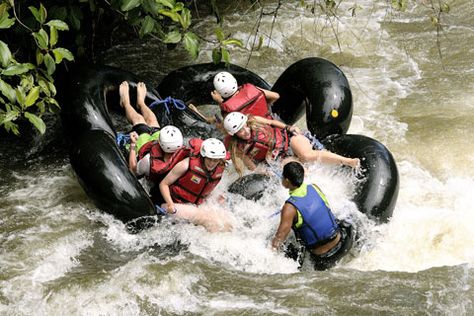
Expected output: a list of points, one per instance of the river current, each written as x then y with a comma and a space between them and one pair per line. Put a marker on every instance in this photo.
59, 254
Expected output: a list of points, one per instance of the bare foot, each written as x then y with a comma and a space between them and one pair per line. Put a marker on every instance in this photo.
123, 92
141, 93
354, 163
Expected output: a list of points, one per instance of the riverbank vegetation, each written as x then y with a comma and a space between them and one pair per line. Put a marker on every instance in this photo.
37, 38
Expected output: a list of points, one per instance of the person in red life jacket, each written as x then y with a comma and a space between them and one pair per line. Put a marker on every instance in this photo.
152, 153
256, 139
247, 98
307, 212
191, 181
157, 158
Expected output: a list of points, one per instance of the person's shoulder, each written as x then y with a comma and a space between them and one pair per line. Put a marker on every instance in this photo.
183, 164
288, 206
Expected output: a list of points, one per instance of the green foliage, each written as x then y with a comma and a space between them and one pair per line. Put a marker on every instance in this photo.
222, 51
37, 36
27, 88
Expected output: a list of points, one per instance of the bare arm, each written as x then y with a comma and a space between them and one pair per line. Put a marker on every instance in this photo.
132, 156
273, 123
278, 124
175, 173
287, 215
271, 96
249, 163
217, 97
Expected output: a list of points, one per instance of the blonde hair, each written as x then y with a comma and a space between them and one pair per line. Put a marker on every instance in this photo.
237, 154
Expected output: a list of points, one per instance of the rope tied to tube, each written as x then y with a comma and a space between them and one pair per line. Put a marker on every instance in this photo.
169, 102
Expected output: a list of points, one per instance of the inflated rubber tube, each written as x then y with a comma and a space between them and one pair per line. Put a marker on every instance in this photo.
100, 166
376, 196
251, 187
320, 88
194, 83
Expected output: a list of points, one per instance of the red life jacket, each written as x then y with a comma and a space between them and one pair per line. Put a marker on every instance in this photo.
197, 183
264, 139
158, 167
249, 100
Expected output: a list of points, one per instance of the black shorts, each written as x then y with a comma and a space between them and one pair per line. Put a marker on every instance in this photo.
156, 196
332, 257
142, 128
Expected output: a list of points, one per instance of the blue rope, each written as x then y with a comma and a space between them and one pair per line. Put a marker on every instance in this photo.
274, 214
162, 211
313, 140
275, 168
122, 139
167, 102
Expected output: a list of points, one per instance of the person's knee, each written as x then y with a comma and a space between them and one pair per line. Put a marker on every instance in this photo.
305, 157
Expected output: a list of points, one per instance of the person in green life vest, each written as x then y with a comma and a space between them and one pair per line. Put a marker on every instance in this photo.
145, 126
152, 152
307, 212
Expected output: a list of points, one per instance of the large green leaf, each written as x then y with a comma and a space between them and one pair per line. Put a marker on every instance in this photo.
32, 96
172, 15
216, 55
27, 81
225, 55
185, 18
50, 64
8, 91
5, 54
39, 57
36, 14
172, 37
53, 36
59, 25
8, 116
5, 21
128, 5
233, 41
219, 34
60, 53
44, 87
16, 69
20, 96
42, 39
191, 43
43, 13
167, 3
178, 7
36, 121
148, 24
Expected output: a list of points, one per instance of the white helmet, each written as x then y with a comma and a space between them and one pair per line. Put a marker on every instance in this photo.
225, 84
213, 148
234, 121
170, 139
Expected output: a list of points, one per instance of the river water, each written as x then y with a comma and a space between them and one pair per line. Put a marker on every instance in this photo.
61, 255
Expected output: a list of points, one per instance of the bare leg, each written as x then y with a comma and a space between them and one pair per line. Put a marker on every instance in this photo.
212, 220
148, 115
132, 116
304, 151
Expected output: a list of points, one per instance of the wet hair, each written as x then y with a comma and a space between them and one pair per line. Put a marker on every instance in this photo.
294, 172
236, 152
